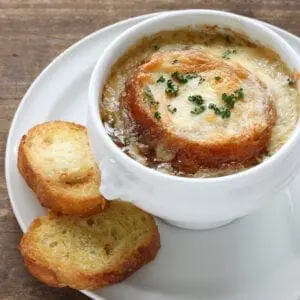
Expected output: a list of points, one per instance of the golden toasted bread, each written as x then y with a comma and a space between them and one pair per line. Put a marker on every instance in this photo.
190, 130
56, 161
91, 252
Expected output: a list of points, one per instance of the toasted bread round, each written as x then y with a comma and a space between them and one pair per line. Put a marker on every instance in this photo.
56, 161
89, 253
170, 125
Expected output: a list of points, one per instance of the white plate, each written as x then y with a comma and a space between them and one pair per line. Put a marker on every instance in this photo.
257, 257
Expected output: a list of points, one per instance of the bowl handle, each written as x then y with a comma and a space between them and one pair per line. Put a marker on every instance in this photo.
116, 183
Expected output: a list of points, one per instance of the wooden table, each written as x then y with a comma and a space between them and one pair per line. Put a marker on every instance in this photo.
32, 33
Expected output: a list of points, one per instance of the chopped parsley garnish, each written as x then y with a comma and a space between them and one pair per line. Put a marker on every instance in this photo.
196, 99
217, 78
201, 79
232, 98
239, 93
191, 75
171, 89
228, 53
171, 109
291, 82
198, 110
179, 77
183, 78
155, 47
174, 61
157, 115
229, 100
223, 112
161, 79
148, 97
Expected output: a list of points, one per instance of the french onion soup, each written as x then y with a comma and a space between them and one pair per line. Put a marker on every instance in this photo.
199, 103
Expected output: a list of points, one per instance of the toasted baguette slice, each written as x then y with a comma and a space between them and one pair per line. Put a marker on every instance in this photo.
199, 140
89, 253
56, 161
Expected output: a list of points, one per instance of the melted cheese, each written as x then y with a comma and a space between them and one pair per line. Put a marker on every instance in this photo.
262, 63
248, 113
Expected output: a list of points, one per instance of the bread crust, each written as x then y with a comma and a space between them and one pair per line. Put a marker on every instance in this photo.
80, 279
191, 155
47, 194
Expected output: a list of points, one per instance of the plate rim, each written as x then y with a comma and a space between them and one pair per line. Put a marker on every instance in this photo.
43, 73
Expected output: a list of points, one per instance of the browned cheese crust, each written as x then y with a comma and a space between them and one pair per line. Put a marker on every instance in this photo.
189, 153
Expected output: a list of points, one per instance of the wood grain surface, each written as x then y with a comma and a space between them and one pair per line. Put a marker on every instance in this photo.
32, 33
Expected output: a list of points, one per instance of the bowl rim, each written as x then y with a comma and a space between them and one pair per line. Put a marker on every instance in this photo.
94, 111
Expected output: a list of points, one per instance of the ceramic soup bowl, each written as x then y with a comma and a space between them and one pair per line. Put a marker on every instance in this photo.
194, 203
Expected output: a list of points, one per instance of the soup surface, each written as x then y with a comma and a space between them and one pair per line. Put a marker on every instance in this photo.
199, 103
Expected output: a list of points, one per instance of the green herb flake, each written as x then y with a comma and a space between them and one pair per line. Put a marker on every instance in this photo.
191, 75
171, 89
183, 78
239, 94
148, 96
217, 78
231, 99
179, 77
198, 110
201, 79
223, 112
171, 109
228, 53
161, 79
157, 115
175, 61
196, 99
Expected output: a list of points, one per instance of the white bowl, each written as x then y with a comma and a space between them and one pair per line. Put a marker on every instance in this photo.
196, 203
